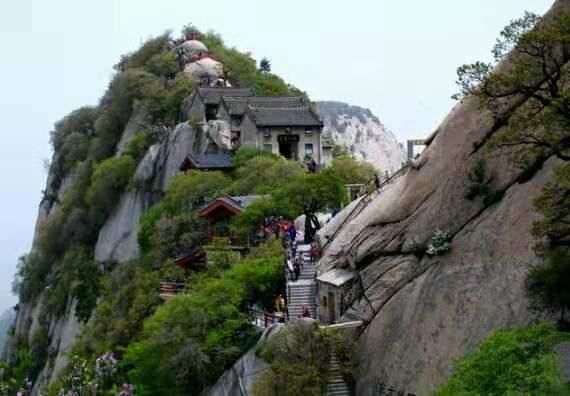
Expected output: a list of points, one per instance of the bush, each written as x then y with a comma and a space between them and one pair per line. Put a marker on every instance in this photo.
439, 243
80, 121
139, 144
510, 362
478, 182
262, 175
548, 284
244, 154
164, 64
145, 53
351, 171
75, 149
110, 178
174, 235
128, 295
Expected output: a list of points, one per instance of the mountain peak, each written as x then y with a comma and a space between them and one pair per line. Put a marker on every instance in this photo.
362, 133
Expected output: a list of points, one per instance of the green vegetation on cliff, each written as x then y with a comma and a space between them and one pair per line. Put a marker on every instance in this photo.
511, 362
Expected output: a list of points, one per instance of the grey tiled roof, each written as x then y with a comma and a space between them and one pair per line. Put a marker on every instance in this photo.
214, 95
237, 106
284, 116
238, 202
208, 161
245, 200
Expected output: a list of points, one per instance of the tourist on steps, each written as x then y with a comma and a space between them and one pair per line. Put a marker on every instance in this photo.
376, 181
314, 252
296, 269
306, 313
292, 232
279, 303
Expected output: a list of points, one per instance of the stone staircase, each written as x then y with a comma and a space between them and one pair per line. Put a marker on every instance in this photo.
303, 292
336, 385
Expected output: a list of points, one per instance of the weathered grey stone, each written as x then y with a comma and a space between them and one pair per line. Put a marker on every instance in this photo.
563, 351
239, 380
62, 332
139, 121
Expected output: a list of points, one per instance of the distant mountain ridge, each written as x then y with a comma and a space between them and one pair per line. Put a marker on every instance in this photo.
362, 133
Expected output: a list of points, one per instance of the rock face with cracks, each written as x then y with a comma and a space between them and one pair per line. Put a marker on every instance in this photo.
421, 312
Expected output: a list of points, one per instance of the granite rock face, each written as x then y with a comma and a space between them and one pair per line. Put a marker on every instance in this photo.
363, 134
239, 380
421, 312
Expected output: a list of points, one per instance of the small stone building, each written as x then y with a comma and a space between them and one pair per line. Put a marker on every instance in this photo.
283, 125
334, 294
202, 106
293, 132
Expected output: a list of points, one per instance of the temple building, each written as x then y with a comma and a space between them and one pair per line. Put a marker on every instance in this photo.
283, 125
219, 212
230, 118
334, 294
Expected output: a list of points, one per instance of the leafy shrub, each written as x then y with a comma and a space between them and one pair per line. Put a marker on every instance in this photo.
145, 53
439, 243
244, 154
75, 149
31, 273
128, 295
478, 182
262, 175
174, 235
110, 178
164, 64
75, 275
139, 144
548, 284
80, 121
351, 171
510, 362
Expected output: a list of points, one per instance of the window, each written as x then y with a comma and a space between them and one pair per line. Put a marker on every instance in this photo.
308, 131
267, 132
324, 304
268, 147
309, 149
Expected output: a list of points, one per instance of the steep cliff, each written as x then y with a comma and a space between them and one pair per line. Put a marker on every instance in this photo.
362, 133
421, 311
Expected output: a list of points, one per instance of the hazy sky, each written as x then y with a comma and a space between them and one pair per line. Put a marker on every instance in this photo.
397, 58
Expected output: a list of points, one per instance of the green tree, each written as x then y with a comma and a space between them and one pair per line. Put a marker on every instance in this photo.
261, 175
548, 284
265, 65
110, 178
510, 362
350, 171
164, 64
244, 154
309, 194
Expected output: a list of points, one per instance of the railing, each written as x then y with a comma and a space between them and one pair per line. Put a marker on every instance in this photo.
264, 319
366, 199
169, 289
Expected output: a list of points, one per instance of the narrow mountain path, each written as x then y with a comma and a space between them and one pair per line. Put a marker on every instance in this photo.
303, 292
